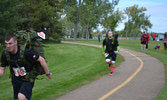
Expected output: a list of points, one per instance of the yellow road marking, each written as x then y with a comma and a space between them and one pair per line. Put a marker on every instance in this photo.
127, 81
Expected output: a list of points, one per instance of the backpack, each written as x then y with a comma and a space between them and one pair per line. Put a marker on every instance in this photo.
30, 40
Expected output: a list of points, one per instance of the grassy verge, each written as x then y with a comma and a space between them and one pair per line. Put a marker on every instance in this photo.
72, 66
135, 45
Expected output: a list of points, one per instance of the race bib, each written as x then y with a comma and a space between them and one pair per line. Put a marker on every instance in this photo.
19, 71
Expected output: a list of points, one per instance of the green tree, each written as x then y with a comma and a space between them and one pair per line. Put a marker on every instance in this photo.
112, 21
67, 26
72, 11
86, 14
90, 15
8, 17
94, 12
42, 15
137, 20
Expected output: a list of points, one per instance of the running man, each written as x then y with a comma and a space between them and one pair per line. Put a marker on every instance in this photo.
22, 87
110, 48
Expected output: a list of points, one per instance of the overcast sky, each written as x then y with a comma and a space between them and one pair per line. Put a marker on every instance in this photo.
157, 9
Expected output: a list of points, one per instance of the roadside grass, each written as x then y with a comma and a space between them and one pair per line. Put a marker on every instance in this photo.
135, 45
72, 66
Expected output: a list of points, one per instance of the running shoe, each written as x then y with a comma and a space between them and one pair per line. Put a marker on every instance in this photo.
111, 73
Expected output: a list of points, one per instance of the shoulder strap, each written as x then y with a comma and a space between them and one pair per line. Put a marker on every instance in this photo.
113, 40
7, 55
9, 61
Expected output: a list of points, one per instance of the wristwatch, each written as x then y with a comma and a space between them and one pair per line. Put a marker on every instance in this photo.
48, 74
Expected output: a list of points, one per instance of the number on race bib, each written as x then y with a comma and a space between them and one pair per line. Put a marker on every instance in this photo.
19, 71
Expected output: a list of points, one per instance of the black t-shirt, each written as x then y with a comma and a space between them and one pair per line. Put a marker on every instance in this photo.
15, 61
111, 45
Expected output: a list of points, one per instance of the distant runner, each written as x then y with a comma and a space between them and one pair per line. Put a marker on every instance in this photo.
110, 52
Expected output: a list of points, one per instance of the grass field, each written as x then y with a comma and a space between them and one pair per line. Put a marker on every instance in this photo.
135, 45
72, 66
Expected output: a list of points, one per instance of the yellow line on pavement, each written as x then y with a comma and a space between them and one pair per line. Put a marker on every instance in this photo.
127, 81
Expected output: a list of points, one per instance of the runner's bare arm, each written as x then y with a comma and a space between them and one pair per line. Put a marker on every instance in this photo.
2, 71
44, 66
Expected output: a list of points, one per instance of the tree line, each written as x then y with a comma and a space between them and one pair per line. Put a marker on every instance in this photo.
78, 18
38, 15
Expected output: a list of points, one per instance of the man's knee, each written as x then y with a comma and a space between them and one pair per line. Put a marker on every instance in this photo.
113, 63
108, 61
21, 96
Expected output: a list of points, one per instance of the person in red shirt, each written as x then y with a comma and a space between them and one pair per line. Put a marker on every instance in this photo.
143, 41
165, 42
154, 36
148, 38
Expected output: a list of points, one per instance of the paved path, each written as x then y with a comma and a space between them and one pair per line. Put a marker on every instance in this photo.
139, 77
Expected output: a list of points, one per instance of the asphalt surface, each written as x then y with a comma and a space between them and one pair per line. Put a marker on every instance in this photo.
139, 77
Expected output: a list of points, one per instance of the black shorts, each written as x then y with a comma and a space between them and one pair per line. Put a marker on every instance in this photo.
112, 56
24, 87
143, 42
